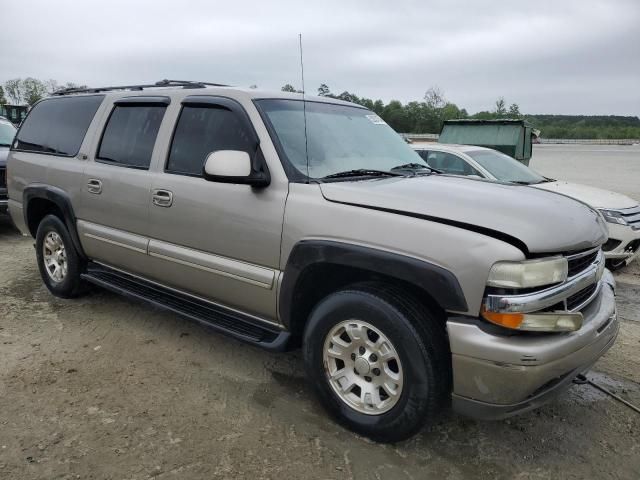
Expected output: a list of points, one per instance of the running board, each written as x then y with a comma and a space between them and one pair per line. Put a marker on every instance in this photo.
221, 319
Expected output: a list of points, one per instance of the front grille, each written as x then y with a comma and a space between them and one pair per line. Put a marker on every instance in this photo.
632, 216
579, 298
581, 262
3, 177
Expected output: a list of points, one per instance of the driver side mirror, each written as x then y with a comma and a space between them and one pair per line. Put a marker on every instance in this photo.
233, 166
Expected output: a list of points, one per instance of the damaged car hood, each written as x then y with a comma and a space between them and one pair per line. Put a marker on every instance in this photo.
534, 220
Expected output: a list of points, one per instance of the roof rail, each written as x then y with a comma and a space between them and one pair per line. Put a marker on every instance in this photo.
161, 83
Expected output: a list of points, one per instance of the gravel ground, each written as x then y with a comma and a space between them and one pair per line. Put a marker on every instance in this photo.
104, 388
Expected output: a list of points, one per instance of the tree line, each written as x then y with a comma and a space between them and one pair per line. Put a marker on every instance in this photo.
27, 91
428, 115
424, 116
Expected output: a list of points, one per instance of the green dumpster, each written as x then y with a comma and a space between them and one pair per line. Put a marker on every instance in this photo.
512, 137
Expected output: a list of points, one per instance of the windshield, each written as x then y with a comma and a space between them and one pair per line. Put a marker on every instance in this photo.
339, 138
505, 168
7, 132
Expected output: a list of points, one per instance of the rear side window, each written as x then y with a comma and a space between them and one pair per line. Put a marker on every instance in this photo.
424, 154
58, 125
130, 135
449, 163
202, 130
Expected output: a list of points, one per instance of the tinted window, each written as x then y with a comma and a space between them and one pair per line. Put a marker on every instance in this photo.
130, 135
202, 130
58, 125
449, 163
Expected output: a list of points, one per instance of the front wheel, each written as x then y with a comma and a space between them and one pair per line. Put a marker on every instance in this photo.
379, 361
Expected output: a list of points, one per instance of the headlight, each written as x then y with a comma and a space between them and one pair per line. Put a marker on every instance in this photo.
528, 273
613, 216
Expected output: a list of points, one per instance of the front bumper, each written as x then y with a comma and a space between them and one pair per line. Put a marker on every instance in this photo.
629, 239
498, 376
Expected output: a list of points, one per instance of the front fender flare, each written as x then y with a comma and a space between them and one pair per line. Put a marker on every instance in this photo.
439, 282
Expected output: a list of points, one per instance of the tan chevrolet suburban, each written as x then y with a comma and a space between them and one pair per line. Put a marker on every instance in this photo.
289, 222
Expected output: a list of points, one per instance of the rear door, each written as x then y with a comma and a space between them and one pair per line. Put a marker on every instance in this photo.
114, 214
216, 240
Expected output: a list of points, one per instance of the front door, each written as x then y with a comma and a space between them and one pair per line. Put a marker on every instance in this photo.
220, 241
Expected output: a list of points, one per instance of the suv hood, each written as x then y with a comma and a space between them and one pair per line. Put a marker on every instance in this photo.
595, 197
532, 219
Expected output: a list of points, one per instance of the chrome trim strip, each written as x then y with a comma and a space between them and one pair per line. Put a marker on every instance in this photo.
113, 236
581, 254
210, 270
627, 211
195, 297
632, 218
532, 302
113, 242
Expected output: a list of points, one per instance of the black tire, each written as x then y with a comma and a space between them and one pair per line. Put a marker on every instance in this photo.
420, 341
71, 285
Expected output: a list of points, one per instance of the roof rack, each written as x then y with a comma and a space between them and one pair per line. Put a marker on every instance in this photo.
161, 83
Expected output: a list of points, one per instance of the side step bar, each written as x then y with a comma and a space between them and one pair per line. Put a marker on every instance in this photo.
209, 314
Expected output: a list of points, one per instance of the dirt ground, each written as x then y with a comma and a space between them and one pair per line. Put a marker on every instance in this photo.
104, 388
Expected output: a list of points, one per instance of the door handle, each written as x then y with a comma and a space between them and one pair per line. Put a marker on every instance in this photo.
94, 186
162, 198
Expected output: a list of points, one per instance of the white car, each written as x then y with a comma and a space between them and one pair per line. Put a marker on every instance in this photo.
621, 212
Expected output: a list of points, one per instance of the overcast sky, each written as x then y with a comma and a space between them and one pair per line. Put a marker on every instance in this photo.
559, 56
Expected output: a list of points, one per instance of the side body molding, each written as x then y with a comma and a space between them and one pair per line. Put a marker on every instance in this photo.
440, 283
58, 197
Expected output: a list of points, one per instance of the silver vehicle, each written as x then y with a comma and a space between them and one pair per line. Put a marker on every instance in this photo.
621, 213
7, 132
287, 223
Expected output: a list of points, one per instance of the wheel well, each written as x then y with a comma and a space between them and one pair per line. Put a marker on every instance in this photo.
37, 209
320, 280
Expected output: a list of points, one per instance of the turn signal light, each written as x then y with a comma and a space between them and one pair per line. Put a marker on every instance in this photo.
536, 322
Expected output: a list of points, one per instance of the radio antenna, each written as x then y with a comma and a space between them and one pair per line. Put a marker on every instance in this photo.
304, 107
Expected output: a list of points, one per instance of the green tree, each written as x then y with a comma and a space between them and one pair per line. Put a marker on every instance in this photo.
288, 88
13, 90
323, 90
3, 99
396, 116
514, 111
33, 90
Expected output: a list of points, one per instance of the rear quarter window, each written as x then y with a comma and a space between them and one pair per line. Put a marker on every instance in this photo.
58, 126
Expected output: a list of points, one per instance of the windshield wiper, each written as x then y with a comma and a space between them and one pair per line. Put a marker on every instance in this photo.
5, 144
416, 166
362, 172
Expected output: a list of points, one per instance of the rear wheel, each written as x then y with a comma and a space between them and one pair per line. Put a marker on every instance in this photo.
58, 260
378, 360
